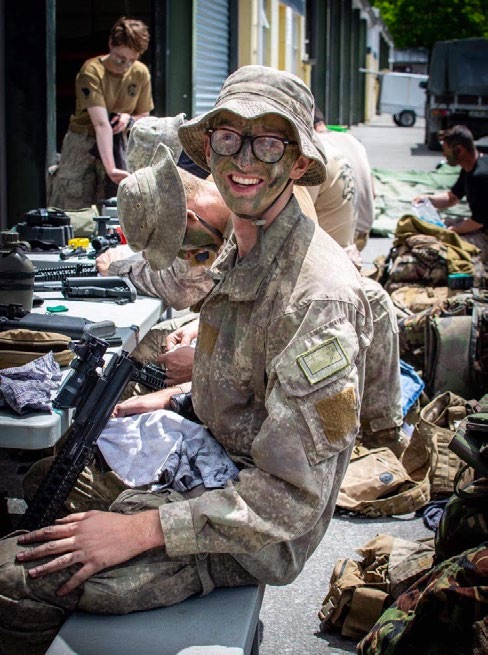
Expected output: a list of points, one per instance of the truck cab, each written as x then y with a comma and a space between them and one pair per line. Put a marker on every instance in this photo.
457, 89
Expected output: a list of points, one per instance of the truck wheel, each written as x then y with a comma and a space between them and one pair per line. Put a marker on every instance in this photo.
433, 142
396, 119
407, 118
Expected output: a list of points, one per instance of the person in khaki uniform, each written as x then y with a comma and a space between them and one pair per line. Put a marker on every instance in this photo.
278, 379
112, 92
335, 199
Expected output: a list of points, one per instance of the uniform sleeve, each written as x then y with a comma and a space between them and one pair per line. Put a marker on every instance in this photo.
313, 401
179, 286
89, 90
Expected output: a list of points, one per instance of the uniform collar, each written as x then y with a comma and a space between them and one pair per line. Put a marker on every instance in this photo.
242, 279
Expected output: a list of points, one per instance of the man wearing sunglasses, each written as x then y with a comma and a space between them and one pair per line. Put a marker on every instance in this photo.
278, 378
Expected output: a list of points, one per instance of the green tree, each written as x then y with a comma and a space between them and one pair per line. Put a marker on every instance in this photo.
420, 23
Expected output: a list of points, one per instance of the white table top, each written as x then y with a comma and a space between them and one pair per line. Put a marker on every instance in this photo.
37, 430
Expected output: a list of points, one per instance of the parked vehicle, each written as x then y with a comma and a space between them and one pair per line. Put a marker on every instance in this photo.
457, 88
402, 96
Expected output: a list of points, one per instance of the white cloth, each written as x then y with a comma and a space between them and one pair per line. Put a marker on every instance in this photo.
163, 447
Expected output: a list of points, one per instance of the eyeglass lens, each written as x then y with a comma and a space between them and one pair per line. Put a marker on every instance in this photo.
268, 149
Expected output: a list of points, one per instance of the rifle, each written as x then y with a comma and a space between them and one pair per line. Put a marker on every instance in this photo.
93, 394
91, 287
14, 316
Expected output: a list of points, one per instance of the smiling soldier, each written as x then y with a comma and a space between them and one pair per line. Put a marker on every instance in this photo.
278, 378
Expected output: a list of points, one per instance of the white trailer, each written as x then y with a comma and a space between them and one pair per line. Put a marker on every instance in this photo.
402, 95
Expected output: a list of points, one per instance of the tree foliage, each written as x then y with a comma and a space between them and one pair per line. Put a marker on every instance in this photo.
420, 23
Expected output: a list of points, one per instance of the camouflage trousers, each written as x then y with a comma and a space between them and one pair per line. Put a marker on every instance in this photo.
381, 408
79, 180
31, 613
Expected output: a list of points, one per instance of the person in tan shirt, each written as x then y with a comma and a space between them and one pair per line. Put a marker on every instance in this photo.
112, 92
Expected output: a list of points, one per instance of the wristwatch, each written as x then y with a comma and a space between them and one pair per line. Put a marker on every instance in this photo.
130, 123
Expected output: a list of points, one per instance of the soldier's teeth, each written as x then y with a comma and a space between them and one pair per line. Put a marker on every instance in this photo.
245, 180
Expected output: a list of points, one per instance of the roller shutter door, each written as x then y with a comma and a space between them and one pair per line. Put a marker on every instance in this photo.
211, 54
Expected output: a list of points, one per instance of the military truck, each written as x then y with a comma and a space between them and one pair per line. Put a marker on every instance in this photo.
457, 88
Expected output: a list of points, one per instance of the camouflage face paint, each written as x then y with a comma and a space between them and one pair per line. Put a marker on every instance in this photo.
247, 185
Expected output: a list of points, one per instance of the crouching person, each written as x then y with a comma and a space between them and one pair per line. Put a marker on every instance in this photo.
277, 378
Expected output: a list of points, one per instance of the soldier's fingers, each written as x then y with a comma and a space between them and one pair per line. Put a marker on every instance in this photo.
44, 534
46, 550
78, 578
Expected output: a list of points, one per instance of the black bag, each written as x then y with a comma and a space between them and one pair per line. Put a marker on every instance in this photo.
46, 217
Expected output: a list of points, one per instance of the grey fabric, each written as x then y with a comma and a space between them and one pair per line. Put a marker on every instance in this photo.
26, 388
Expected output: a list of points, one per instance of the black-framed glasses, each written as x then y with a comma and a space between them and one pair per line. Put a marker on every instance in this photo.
268, 149
213, 230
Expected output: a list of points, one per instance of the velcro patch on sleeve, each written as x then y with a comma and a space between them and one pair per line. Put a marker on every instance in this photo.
323, 360
338, 414
207, 338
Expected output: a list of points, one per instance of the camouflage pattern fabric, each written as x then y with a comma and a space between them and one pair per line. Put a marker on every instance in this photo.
179, 286
464, 522
141, 207
80, 181
381, 408
420, 261
32, 613
459, 254
479, 341
288, 410
443, 612
360, 591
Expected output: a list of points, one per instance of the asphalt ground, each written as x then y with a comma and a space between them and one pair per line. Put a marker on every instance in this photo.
289, 620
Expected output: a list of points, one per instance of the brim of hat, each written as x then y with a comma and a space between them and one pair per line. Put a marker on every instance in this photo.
147, 133
161, 244
192, 134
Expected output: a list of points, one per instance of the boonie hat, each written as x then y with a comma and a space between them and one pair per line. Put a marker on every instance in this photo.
151, 205
253, 91
145, 136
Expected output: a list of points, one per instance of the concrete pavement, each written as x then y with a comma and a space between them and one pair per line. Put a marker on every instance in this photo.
289, 614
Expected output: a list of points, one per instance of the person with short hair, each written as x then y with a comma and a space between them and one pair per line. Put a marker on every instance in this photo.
278, 379
112, 92
460, 150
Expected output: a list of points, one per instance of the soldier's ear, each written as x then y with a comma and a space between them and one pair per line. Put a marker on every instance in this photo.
300, 167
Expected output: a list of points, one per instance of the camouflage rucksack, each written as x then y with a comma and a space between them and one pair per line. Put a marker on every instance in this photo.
443, 613
446, 610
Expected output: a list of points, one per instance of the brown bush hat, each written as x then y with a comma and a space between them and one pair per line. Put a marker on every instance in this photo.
151, 205
253, 91
145, 136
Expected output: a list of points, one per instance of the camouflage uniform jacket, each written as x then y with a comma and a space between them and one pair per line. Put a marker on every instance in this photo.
179, 286
278, 378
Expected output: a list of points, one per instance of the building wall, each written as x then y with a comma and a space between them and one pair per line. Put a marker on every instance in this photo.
41, 58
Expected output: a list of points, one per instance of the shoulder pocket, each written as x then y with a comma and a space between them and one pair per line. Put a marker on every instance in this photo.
318, 374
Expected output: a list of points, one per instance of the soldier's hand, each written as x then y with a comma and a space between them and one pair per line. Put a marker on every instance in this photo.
117, 175
183, 336
178, 364
96, 540
149, 402
103, 261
